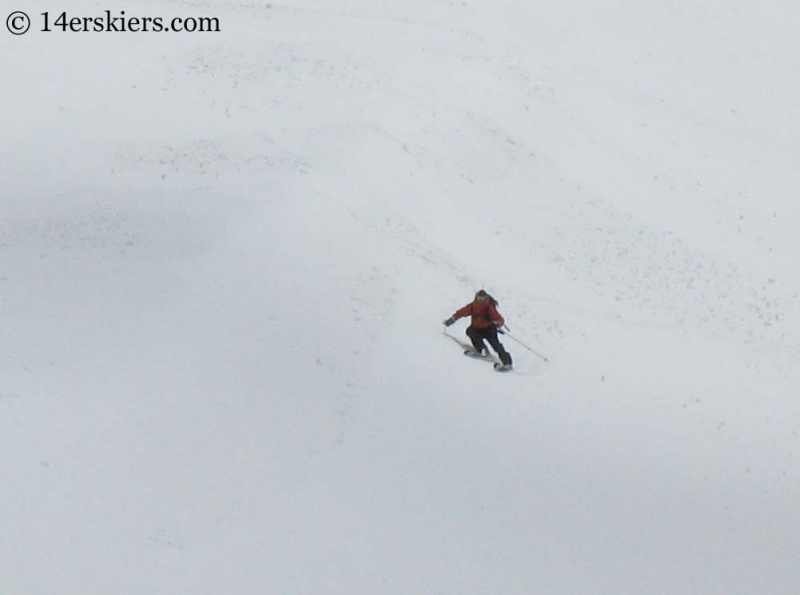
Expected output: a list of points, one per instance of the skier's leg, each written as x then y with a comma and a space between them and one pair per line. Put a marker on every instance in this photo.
494, 341
476, 336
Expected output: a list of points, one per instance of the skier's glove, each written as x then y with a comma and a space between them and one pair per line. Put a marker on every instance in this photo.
449, 321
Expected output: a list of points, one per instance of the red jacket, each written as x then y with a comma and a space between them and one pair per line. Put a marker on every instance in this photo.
484, 314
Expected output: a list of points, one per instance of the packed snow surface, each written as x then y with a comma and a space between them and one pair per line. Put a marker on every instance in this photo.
225, 258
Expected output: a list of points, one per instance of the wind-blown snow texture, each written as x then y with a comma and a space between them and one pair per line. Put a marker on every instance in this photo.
224, 259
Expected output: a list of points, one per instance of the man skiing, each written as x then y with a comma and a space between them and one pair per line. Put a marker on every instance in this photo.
485, 323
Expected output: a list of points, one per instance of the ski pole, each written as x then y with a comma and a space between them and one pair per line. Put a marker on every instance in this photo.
513, 338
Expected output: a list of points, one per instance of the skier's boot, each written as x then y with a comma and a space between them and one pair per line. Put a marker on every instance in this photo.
506, 363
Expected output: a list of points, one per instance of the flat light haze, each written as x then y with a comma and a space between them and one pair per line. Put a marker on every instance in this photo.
225, 258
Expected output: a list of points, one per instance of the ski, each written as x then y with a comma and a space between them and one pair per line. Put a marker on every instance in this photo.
487, 357
469, 351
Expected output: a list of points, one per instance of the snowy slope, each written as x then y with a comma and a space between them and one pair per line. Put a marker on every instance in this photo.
225, 258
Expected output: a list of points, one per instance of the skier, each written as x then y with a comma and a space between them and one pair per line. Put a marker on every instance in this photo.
485, 323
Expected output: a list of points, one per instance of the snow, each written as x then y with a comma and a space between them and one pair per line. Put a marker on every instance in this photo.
224, 259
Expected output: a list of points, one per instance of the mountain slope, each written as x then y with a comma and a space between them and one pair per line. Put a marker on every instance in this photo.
225, 259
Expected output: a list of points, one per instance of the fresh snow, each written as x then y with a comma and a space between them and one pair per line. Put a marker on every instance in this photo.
224, 259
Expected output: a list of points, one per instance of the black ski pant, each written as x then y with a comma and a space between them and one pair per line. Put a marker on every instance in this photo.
479, 335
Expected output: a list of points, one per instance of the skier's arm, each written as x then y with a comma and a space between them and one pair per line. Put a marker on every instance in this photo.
496, 318
460, 313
